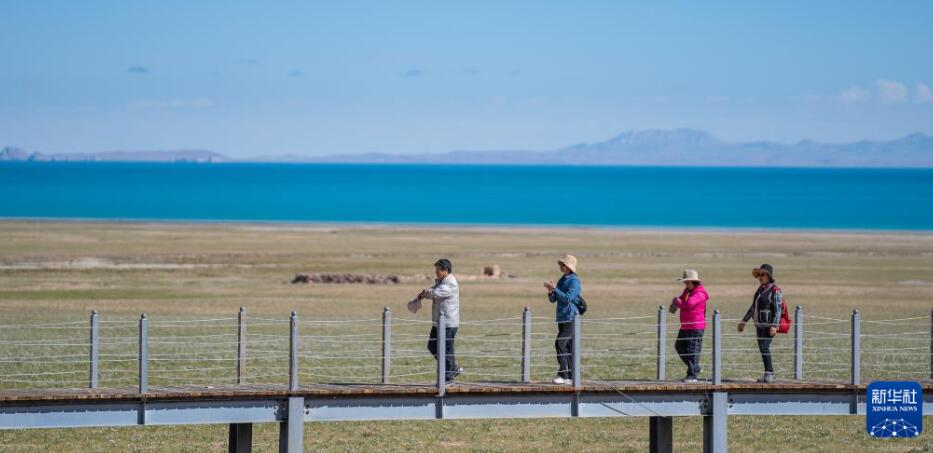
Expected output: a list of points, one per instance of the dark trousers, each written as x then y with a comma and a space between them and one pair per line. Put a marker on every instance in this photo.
688, 345
564, 346
764, 345
450, 361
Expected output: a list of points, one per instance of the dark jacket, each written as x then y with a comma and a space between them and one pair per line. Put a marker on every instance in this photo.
766, 306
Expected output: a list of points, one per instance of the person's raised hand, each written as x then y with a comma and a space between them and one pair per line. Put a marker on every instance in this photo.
549, 285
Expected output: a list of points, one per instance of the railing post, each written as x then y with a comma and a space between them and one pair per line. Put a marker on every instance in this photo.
856, 348
143, 354
717, 348
240, 345
526, 345
716, 424
577, 371
662, 343
386, 344
441, 348
931, 344
798, 343
94, 372
293, 352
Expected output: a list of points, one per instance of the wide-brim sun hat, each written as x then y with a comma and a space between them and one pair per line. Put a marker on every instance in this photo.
570, 261
689, 275
764, 268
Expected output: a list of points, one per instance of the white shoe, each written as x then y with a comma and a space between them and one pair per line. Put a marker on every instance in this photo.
768, 378
690, 380
560, 380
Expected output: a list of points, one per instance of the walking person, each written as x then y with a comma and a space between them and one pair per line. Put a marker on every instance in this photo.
766, 310
445, 295
566, 294
692, 306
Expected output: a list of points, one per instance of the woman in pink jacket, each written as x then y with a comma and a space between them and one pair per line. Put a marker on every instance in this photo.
692, 306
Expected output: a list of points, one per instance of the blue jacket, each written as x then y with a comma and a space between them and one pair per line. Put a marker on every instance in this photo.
565, 295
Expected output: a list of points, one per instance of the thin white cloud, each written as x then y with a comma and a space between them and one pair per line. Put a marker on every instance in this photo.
890, 92
854, 94
197, 103
923, 94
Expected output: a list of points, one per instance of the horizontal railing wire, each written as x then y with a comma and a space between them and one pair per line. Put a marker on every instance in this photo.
207, 351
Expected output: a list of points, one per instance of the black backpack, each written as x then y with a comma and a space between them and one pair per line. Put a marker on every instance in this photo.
581, 304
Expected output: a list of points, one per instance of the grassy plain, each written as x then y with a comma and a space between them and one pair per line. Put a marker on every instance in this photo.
56, 272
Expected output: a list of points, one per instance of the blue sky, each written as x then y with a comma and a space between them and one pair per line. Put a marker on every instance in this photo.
263, 78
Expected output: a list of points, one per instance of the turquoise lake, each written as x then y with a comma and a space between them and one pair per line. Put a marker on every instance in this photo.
505, 195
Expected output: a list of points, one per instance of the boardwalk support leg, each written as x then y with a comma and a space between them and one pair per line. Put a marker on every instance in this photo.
292, 430
241, 438
660, 434
715, 436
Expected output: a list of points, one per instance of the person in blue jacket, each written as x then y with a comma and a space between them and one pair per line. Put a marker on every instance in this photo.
565, 294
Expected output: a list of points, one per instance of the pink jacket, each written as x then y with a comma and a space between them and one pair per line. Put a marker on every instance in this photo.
692, 307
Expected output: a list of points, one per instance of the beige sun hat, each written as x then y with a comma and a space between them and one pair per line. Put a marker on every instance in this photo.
570, 261
690, 275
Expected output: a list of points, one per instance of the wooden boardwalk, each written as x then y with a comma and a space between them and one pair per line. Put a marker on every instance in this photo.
242, 391
240, 406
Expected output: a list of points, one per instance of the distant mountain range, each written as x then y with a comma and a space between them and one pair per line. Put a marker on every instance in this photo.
681, 147
199, 156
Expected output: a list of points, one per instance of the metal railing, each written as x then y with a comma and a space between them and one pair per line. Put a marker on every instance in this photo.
147, 352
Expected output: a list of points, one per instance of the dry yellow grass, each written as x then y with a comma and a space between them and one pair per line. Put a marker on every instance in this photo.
59, 271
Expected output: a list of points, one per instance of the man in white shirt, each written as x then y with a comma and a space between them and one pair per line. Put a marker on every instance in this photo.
445, 295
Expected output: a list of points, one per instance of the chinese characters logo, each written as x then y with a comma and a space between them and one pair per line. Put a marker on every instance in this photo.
894, 409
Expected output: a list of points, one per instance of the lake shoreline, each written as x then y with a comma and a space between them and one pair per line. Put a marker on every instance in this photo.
479, 227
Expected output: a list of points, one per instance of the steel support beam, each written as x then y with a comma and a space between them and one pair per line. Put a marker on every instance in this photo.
715, 435
24, 415
660, 435
87, 414
241, 438
292, 430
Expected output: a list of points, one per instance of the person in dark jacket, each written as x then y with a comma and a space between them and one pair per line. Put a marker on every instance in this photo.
565, 293
766, 310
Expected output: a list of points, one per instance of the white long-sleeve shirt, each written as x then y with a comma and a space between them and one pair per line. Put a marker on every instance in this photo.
446, 296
